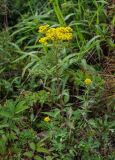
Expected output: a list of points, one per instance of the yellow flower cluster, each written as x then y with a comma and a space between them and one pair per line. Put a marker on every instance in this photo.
88, 81
43, 29
59, 33
55, 34
43, 40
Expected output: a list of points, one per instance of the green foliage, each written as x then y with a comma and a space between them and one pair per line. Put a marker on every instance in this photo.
73, 135
15, 132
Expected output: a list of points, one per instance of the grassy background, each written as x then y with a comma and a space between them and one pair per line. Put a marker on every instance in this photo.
82, 118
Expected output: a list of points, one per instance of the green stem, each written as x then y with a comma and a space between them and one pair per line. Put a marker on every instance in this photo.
58, 88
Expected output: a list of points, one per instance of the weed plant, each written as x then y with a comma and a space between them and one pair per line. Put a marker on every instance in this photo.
54, 99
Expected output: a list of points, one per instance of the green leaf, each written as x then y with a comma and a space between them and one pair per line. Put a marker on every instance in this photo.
28, 154
77, 114
5, 114
38, 158
32, 146
20, 107
49, 158
43, 150
55, 113
92, 123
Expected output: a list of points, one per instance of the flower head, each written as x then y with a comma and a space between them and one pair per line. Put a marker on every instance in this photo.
43, 29
59, 33
55, 34
87, 81
47, 119
43, 40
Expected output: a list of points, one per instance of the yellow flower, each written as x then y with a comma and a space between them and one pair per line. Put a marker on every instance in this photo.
59, 33
69, 29
55, 34
51, 33
47, 119
88, 81
43, 28
43, 40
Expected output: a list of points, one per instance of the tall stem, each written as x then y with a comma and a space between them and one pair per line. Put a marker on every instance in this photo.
58, 87
5, 16
57, 68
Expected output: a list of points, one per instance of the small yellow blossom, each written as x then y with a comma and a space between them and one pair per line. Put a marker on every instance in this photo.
88, 81
43, 40
51, 33
43, 29
46, 119
69, 29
